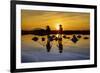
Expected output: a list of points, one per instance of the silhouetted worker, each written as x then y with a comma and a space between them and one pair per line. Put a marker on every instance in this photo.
48, 30
60, 46
60, 31
48, 46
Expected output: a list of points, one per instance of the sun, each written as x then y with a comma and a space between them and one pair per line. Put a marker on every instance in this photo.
57, 26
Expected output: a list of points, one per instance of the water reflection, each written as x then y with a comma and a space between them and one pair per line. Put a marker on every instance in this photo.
47, 50
36, 48
58, 37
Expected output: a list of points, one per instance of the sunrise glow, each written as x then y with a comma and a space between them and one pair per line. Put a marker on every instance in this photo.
31, 19
57, 26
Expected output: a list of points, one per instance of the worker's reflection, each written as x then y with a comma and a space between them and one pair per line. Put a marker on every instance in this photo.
48, 45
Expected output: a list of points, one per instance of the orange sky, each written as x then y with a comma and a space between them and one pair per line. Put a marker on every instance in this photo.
31, 19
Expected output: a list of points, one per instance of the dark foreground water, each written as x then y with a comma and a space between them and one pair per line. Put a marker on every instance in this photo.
32, 51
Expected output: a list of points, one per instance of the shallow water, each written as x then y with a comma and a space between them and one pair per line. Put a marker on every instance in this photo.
35, 51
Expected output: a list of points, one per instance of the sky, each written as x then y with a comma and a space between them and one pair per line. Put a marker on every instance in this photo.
31, 19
